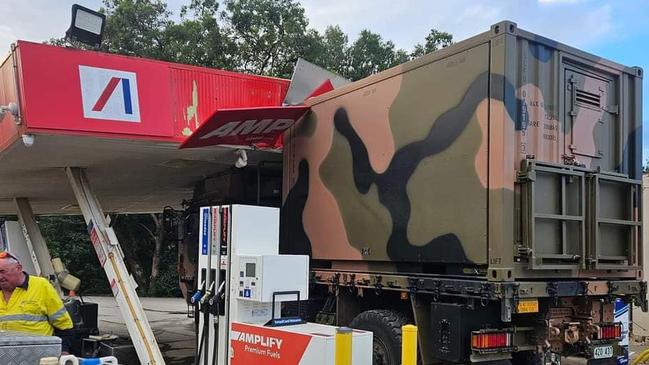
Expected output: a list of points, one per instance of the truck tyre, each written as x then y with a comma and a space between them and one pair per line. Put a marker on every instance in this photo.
386, 326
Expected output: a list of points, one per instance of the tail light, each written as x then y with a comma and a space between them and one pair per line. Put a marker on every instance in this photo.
492, 340
609, 331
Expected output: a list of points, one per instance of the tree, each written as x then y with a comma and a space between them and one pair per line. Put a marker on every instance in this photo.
434, 40
335, 45
158, 238
67, 238
198, 39
136, 27
256, 36
370, 54
149, 253
135, 244
267, 34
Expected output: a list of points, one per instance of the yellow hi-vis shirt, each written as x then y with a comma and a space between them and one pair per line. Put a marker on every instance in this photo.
34, 307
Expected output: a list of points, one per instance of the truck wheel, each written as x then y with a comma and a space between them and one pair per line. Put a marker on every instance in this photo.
386, 326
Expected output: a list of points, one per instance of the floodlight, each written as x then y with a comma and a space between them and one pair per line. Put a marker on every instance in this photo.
87, 26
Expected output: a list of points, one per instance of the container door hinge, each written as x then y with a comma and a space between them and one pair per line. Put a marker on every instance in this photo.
573, 95
612, 109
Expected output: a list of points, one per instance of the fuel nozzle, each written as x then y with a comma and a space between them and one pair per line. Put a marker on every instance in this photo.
198, 294
208, 295
219, 294
215, 300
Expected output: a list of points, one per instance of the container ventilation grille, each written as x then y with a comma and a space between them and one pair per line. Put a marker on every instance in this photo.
588, 98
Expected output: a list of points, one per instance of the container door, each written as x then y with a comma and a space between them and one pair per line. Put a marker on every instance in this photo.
591, 112
554, 215
616, 225
593, 140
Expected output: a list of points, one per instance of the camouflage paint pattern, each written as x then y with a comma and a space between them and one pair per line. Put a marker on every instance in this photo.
419, 164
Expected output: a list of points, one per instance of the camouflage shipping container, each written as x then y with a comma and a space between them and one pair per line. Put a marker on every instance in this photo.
507, 153
489, 192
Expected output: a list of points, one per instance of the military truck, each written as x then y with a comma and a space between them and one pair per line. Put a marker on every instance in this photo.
488, 192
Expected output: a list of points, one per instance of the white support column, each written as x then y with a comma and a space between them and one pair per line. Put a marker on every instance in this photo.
35, 242
111, 259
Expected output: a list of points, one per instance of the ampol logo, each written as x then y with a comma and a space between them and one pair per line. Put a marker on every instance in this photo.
109, 94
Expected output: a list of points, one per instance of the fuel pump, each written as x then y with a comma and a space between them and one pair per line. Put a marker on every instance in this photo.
246, 280
235, 242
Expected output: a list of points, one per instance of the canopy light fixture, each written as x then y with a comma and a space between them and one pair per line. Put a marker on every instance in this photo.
11, 108
87, 26
242, 158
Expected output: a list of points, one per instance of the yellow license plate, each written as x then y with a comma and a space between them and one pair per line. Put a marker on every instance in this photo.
528, 306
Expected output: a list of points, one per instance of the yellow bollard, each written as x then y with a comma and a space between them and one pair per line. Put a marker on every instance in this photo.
409, 345
343, 346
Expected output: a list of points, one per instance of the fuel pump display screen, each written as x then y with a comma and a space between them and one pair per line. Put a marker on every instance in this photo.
250, 270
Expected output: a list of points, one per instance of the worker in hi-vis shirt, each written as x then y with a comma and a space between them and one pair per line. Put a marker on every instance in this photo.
30, 303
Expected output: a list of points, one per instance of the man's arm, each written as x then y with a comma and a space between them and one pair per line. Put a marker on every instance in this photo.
67, 337
59, 318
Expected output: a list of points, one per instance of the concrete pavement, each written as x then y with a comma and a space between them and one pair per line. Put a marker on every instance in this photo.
168, 319
640, 339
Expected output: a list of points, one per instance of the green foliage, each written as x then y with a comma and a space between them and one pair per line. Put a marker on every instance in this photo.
198, 39
67, 238
167, 283
370, 54
334, 45
434, 40
136, 27
264, 37
269, 34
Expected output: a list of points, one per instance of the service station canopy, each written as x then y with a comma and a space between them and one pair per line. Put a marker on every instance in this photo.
122, 119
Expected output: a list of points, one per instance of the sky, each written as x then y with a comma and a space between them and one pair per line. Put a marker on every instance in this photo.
615, 29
